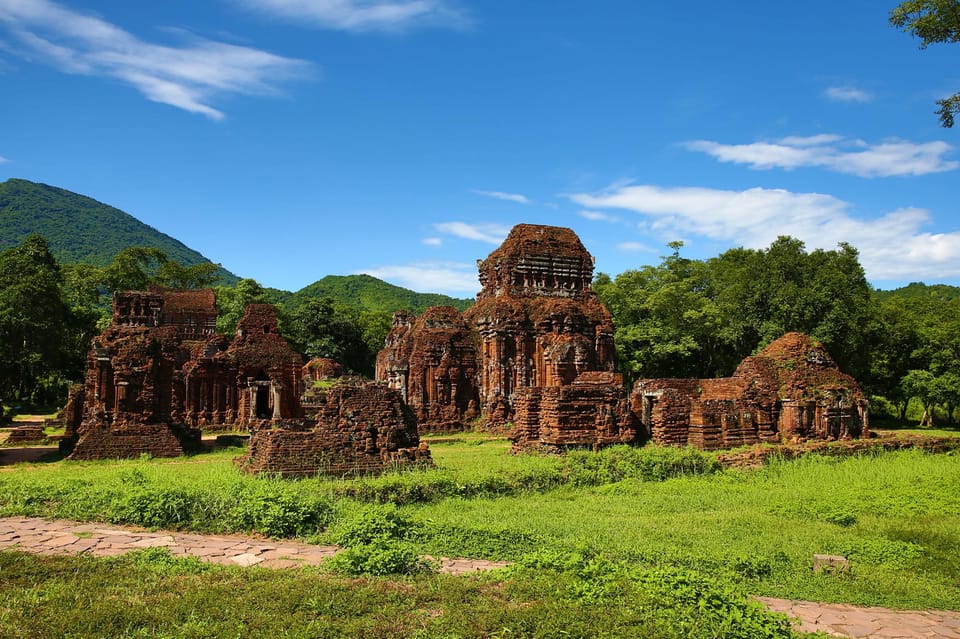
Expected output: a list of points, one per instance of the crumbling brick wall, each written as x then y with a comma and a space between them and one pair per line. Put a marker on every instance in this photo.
593, 411
791, 391
432, 362
362, 427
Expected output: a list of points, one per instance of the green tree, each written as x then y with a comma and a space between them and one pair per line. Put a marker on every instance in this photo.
232, 301
172, 274
319, 328
933, 21
133, 269
34, 323
893, 341
668, 324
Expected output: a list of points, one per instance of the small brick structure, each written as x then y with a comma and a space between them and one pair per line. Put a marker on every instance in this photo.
321, 368
791, 391
432, 361
592, 411
26, 433
160, 374
361, 428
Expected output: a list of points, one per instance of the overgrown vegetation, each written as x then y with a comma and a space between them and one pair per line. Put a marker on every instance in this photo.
895, 515
151, 594
700, 318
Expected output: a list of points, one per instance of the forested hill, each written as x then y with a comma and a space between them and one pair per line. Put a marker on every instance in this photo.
79, 229
919, 290
371, 294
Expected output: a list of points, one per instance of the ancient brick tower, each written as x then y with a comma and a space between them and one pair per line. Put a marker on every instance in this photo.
432, 361
538, 323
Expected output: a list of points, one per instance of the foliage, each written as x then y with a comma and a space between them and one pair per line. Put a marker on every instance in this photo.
38, 333
368, 293
139, 493
150, 595
232, 301
319, 329
377, 543
82, 230
758, 529
933, 21
691, 318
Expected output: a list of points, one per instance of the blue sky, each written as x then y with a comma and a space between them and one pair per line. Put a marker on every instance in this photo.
293, 139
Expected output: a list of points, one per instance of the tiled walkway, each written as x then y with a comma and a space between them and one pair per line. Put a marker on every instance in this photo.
44, 537
31, 534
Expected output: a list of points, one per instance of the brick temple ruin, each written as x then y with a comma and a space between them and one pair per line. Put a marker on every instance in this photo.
536, 349
432, 362
536, 352
357, 427
789, 392
160, 374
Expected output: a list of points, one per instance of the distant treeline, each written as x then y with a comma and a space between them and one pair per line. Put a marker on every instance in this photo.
681, 318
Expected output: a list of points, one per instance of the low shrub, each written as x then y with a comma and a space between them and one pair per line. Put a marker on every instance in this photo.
380, 557
376, 543
650, 463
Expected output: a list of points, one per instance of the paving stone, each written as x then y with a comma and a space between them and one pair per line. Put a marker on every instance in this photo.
153, 542
63, 540
281, 563
246, 559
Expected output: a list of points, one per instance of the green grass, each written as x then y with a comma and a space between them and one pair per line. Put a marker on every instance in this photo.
895, 515
151, 594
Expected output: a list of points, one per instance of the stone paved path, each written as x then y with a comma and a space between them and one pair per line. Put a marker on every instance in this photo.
59, 537
41, 536
844, 620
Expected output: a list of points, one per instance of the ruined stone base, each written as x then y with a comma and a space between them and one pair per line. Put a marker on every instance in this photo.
591, 412
286, 452
156, 440
21, 435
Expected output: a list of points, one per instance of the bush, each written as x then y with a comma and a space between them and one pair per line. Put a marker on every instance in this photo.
279, 510
651, 463
376, 544
381, 557
373, 524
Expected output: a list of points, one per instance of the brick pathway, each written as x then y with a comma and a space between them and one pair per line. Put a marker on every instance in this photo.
844, 620
44, 537
31, 534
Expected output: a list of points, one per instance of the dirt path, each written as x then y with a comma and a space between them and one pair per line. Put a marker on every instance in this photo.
41, 536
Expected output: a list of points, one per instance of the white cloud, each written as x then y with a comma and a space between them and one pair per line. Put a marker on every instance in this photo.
892, 247
888, 158
500, 195
432, 241
634, 247
489, 233
452, 278
188, 76
3, 160
597, 216
847, 94
362, 15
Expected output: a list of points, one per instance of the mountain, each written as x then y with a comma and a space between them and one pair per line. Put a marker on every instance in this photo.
79, 229
919, 290
371, 294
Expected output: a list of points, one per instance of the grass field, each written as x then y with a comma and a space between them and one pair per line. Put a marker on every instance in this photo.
589, 526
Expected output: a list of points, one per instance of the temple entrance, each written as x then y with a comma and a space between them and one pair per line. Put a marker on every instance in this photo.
261, 406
